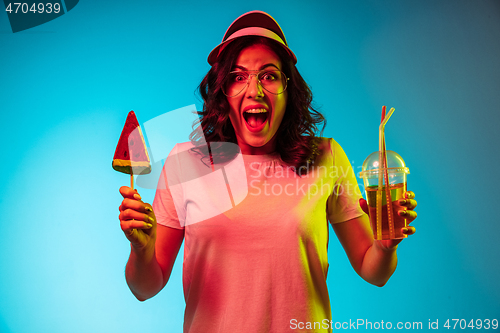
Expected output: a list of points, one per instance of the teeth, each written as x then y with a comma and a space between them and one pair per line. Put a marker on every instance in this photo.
256, 111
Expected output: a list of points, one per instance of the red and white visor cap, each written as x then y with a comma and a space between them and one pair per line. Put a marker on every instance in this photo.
254, 23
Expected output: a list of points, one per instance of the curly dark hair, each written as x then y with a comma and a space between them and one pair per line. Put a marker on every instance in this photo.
296, 139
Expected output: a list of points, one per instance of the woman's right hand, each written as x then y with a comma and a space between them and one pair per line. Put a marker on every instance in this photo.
137, 219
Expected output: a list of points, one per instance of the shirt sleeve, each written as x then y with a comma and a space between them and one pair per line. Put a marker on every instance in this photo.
168, 202
343, 202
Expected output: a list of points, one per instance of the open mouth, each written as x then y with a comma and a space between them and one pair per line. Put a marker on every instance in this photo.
255, 118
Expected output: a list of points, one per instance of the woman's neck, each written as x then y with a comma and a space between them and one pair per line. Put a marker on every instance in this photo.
268, 148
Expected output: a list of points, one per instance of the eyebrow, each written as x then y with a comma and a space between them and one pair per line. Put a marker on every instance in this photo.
261, 67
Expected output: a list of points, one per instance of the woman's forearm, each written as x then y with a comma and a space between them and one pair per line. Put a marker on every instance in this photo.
378, 264
143, 273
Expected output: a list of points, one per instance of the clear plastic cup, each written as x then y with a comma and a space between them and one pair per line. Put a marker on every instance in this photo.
397, 171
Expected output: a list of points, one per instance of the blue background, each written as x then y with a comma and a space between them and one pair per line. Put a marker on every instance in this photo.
66, 87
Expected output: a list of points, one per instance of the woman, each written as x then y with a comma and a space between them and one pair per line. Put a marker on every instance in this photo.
259, 264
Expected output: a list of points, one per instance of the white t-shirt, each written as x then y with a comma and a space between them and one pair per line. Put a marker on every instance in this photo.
256, 262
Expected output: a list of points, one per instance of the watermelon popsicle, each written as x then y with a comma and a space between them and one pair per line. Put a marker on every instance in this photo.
131, 155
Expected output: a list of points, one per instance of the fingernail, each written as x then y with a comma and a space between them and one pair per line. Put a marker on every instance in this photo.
402, 201
148, 225
404, 230
402, 212
151, 219
148, 209
137, 196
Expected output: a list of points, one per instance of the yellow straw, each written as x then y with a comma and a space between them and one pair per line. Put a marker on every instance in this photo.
382, 162
388, 197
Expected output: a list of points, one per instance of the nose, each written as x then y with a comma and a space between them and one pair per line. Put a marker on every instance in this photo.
254, 89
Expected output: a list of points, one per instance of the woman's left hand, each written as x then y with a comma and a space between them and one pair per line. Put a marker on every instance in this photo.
407, 202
